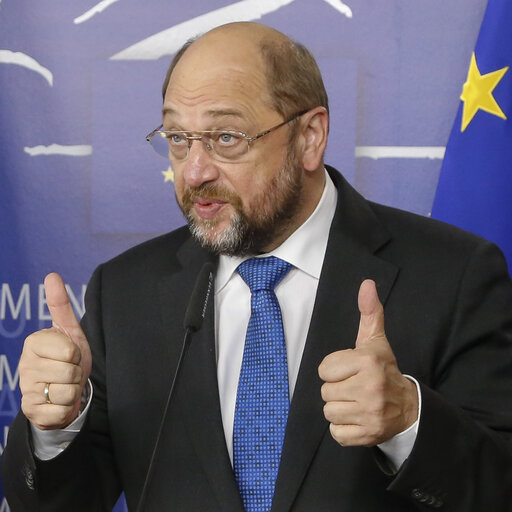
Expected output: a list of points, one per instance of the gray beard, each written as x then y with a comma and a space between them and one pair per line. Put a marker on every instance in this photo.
251, 235
230, 242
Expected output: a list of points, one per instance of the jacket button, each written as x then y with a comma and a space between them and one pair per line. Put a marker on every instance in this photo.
428, 499
29, 477
420, 495
417, 494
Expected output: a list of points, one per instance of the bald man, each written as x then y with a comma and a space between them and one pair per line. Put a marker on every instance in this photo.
397, 329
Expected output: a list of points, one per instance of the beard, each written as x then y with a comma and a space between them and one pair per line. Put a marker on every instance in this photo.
270, 213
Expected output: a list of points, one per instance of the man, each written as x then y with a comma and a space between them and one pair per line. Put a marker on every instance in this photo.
245, 117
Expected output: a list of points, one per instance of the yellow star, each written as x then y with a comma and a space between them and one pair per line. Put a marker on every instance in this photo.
168, 175
477, 93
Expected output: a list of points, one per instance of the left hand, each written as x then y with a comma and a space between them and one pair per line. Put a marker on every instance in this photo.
368, 400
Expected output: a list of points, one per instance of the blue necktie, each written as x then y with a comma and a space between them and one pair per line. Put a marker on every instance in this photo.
262, 400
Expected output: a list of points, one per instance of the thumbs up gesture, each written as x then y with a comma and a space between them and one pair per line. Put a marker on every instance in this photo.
367, 399
55, 364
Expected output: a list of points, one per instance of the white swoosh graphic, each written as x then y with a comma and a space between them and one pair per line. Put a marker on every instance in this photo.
58, 149
170, 40
378, 152
22, 59
340, 7
94, 10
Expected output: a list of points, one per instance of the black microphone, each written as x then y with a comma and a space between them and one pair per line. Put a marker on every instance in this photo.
196, 309
194, 316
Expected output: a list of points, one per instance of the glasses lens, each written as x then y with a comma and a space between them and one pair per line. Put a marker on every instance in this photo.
177, 144
227, 146
159, 143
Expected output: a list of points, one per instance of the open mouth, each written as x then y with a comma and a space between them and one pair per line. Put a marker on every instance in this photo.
208, 208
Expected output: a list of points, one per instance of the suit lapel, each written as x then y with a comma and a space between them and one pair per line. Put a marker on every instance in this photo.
350, 258
199, 397
203, 416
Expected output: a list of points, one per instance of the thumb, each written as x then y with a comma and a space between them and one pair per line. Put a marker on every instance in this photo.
64, 319
61, 311
371, 324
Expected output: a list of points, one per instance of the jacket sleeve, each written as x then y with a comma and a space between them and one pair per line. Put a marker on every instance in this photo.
82, 478
462, 457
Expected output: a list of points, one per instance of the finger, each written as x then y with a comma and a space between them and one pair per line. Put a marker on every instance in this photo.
58, 394
54, 345
60, 308
343, 413
58, 372
33, 380
49, 416
62, 394
343, 391
352, 435
371, 324
339, 366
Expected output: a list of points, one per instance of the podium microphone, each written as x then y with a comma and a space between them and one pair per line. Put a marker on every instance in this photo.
194, 316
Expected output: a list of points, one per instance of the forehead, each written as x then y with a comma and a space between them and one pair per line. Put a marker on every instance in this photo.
218, 79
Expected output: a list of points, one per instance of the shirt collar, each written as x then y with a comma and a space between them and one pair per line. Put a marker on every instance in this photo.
304, 248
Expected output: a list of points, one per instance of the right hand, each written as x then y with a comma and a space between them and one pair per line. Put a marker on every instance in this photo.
60, 356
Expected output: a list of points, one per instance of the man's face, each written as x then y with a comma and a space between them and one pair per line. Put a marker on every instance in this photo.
243, 207
250, 230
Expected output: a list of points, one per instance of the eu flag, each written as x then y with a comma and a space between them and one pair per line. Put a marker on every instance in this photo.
475, 186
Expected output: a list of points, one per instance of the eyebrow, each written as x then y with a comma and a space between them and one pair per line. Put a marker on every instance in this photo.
167, 110
225, 113
215, 113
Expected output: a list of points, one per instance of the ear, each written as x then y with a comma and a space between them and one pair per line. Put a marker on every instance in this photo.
314, 130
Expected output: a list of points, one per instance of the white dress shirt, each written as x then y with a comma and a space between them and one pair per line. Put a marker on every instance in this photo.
305, 251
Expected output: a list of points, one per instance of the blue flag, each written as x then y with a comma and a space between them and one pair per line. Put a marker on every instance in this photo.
475, 186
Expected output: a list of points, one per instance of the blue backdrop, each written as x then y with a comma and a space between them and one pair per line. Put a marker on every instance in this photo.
80, 88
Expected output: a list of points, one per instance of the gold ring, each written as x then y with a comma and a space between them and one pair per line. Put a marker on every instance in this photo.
47, 393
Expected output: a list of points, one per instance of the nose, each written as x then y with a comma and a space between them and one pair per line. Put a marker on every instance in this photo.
199, 167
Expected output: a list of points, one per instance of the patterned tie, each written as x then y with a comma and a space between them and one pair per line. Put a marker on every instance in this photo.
262, 400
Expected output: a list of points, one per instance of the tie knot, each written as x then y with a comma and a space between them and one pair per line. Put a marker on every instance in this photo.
263, 273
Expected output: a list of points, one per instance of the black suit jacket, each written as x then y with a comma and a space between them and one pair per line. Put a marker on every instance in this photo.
448, 310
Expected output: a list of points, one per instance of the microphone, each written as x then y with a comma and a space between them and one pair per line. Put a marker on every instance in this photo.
192, 322
196, 309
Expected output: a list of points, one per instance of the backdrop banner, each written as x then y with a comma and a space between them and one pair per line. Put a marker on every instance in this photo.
80, 88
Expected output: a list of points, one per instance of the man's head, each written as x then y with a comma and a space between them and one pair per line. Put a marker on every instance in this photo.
247, 78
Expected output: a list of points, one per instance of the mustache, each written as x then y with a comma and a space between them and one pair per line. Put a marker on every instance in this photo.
210, 191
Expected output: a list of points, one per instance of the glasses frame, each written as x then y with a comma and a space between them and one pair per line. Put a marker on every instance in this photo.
200, 134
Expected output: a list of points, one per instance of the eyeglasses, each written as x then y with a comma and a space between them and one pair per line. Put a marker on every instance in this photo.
223, 145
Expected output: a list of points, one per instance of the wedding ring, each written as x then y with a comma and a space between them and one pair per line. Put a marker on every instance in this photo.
47, 393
